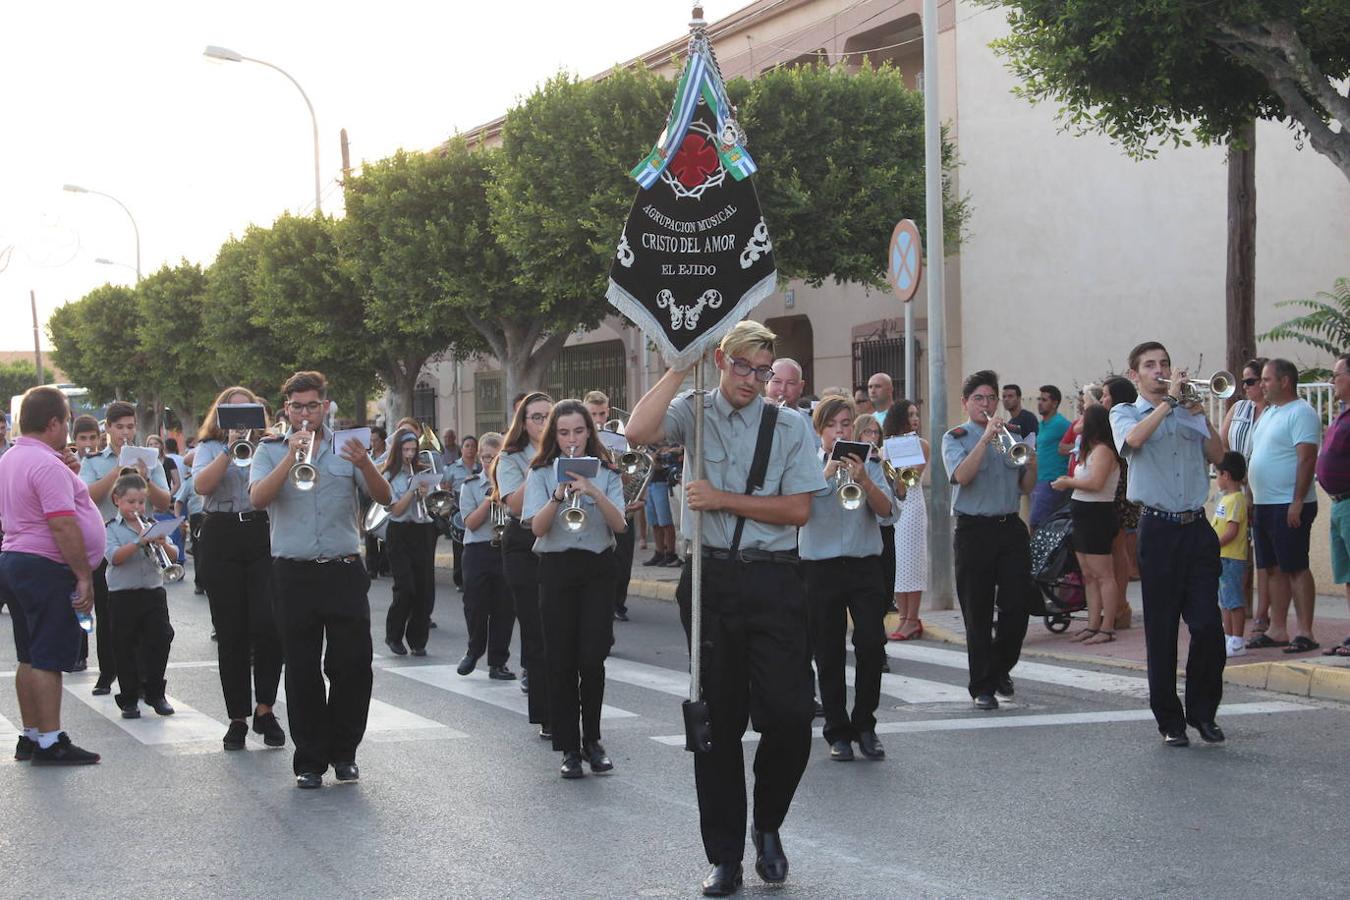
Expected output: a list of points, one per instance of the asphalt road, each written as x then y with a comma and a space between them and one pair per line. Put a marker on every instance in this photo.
1068, 792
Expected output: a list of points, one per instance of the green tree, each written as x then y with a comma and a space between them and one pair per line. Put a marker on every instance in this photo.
1325, 325
169, 335
1173, 71
94, 342
239, 345
18, 375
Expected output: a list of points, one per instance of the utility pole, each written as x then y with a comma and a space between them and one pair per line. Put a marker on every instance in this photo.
37, 345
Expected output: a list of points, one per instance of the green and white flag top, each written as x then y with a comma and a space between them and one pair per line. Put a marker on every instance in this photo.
695, 255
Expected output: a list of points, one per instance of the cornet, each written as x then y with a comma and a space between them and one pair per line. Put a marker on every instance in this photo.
171, 571
1221, 384
573, 516
303, 473
241, 452
1016, 451
850, 493
497, 516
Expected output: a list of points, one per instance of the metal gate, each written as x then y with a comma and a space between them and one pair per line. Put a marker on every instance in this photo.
590, 367
880, 355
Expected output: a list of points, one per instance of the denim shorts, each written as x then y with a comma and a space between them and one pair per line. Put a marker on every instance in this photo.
658, 504
37, 590
1230, 582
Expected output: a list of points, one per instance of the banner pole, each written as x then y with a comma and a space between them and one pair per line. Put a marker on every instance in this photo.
696, 551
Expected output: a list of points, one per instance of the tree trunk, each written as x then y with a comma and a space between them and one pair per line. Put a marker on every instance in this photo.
359, 407
526, 365
1240, 288
401, 376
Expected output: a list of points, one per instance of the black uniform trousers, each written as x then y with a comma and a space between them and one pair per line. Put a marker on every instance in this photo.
376, 561
887, 576
141, 638
576, 609
457, 549
103, 629
623, 566
521, 568
1179, 573
993, 569
756, 668
317, 601
412, 560
234, 562
488, 612
195, 521
837, 589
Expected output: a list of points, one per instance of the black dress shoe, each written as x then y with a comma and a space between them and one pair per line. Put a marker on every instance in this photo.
870, 745
396, 648
102, 687
986, 701
723, 881
160, 706
268, 726
80, 665
431, 623
131, 712
524, 681
770, 862
1210, 732
309, 780
886, 664
841, 751
571, 765
595, 755
545, 732
418, 651
501, 673
466, 664
347, 772
1004, 688
621, 615
235, 735
1176, 738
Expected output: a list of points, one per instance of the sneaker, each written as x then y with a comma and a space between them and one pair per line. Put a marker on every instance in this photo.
63, 753
1237, 649
270, 729
234, 737
24, 751
658, 559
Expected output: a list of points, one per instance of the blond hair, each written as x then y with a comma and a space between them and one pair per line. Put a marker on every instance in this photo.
492, 437
596, 398
747, 337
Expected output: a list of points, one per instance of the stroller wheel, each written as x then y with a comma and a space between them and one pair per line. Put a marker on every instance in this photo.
1057, 624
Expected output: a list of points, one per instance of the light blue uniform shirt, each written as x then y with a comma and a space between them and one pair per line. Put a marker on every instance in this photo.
472, 493
231, 494
188, 496
729, 437
594, 536
399, 485
92, 468
833, 531
512, 470
141, 570
1273, 468
320, 522
456, 474
995, 490
1169, 472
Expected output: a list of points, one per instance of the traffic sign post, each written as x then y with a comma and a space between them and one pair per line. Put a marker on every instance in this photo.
904, 269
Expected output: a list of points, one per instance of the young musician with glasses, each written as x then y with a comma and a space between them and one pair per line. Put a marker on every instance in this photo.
756, 646
519, 562
234, 557
321, 586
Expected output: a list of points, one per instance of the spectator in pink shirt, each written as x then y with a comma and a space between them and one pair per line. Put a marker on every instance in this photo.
54, 536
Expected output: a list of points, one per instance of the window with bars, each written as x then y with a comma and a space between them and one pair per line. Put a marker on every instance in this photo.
880, 355
424, 405
489, 407
590, 367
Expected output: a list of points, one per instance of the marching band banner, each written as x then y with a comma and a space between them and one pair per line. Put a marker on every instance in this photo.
695, 255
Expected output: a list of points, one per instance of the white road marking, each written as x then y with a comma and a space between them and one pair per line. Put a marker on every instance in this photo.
477, 686
385, 719
1082, 679
185, 726
995, 720
7, 732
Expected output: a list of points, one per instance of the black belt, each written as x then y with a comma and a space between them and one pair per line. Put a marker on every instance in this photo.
324, 560
986, 520
253, 515
789, 557
1176, 518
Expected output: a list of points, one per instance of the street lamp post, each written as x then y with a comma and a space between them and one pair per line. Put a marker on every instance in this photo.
227, 55
76, 189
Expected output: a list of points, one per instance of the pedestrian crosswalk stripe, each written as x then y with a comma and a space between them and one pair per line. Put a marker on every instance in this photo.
185, 726
7, 731
385, 719
477, 686
1082, 679
655, 678
994, 720
913, 690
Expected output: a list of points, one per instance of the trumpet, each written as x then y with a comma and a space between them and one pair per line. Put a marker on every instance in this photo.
1016, 451
303, 473
573, 516
1221, 384
241, 451
850, 493
497, 516
171, 571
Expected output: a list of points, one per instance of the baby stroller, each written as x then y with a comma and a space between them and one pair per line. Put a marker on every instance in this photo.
1054, 568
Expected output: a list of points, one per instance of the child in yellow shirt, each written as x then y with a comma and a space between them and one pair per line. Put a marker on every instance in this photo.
1230, 524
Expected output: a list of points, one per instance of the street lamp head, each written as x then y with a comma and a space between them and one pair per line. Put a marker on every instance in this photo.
222, 53
104, 262
74, 189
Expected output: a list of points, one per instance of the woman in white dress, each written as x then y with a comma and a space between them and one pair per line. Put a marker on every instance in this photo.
911, 532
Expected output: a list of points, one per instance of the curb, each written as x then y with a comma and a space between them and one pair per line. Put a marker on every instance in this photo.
653, 590
1317, 681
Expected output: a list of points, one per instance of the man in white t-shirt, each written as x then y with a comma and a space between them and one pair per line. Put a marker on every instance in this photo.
1284, 503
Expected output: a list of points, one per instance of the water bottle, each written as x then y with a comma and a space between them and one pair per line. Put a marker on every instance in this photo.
85, 619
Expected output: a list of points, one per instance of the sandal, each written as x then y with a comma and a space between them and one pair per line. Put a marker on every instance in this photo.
1301, 644
1338, 650
1082, 634
1259, 626
1101, 637
1263, 641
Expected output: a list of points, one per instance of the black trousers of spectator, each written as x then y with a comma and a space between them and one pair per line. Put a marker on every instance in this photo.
105, 643
576, 608
756, 668
993, 569
457, 548
412, 559
1179, 573
623, 566
488, 614
141, 637
317, 602
836, 589
234, 563
521, 568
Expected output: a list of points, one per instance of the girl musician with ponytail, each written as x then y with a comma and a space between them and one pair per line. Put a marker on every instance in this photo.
410, 542
576, 580
234, 556
487, 602
519, 563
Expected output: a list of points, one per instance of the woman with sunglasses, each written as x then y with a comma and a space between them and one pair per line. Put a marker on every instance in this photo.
1236, 433
576, 581
519, 563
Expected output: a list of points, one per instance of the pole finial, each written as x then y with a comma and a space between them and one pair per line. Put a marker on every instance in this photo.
697, 19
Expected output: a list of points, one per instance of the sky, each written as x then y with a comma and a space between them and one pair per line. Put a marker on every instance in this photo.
118, 98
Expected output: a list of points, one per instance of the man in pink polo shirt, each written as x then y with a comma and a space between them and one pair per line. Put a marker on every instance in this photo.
54, 536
